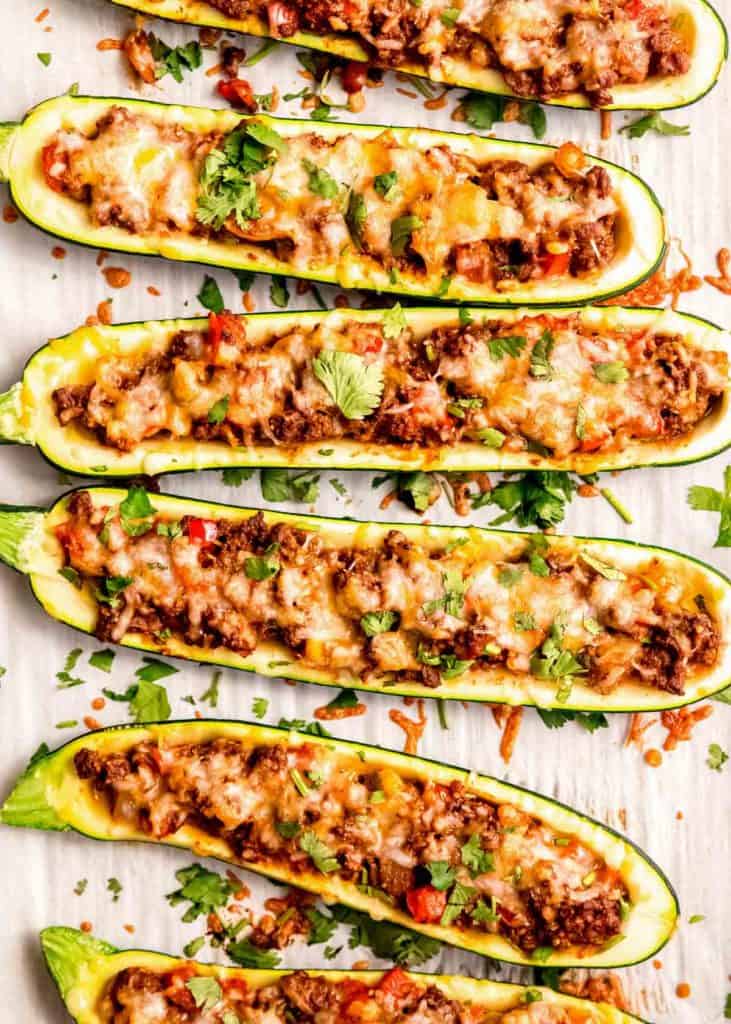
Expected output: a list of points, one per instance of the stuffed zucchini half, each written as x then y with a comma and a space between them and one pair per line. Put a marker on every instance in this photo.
626, 55
98, 983
462, 614
438, 214
461, 857
586, 390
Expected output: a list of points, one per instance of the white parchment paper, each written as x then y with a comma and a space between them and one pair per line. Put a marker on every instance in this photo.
679, 813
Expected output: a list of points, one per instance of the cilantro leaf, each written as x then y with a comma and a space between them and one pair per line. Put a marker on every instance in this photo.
217, 412
373, 623
210, 295
278, 292
320, 854
259, 707
491, 437
474, 858
393, 321
540, 365
401, 230
281, 485
234, 476
556, 718
345, 699
717, 757
262, 567
354, 385
322, 926
319, 182
506, 345
457, 901
204, 890
654, 122
611, 373
708, 499
385, 185
482, 110
205, 991
150, 703
535, 498
245, 954
387, 941
442, 875
102, 660
355, 217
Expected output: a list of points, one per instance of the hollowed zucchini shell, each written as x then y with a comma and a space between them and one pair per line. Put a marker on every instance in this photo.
51, 796
701, 26
27, 412
28, 543
83, 967
640, 232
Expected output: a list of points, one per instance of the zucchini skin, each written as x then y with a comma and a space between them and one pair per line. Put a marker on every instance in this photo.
708, 60
642, 247
81, 966
48, 796
86, 457
62, 601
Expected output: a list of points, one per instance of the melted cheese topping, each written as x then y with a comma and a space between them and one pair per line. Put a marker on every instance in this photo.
396, 608
602, 389
403, 839
149, 178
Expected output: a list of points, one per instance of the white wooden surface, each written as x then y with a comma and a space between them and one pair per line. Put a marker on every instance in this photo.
41, 297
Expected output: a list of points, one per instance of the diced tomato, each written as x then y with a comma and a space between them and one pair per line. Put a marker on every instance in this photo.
234, 985
238, 93
634, 8
224, 327
202, 531
397, 984
354, 76
426, 905
554, 264
55, 164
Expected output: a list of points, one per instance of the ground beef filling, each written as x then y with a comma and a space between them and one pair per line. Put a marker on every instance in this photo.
432, 213
439, 853
454, 385
392, 611
544, 48
140, 996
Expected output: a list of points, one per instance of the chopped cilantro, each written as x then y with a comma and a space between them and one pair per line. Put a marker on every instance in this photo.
540, 357
717, 757
401, 230
611, 373
388, 941
259, 707
321, 855
281, 485
393, 321
80, 887
373, 623
210, 295
211, 695
457, 901
263, 567
278, 292
654, 122
217, 412
442, 875
205, 991
385, 185
474, 858
243, 953
150, 703
506, 345
114, 886
263, 51
234, 476
509, 576
44, 58
102, 660
174, 60
322, 926
204, 890
355, 217
319, 182
708, 499
523, 621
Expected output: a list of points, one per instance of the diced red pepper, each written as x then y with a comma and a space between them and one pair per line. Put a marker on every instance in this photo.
554, 264
238, 93
202, 531
426, 905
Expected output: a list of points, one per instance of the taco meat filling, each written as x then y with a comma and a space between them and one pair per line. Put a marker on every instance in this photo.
392, 609
544, 49
431, 213
542, 380
140, 996
439, 853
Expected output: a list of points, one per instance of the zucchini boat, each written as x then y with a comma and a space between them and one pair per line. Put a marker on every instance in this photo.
435, 611
97, 982
461, 857
652, 57
438, 214
455, 391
